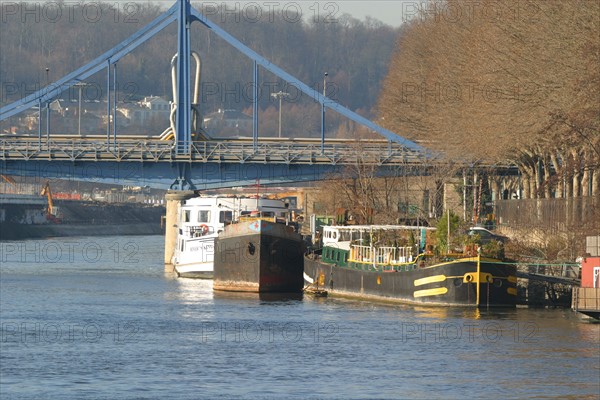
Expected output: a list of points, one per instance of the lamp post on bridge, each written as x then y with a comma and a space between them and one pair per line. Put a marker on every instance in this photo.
80, 85
47, 106
323, 112
280, 95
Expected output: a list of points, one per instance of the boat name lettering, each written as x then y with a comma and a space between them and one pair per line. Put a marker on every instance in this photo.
209, 247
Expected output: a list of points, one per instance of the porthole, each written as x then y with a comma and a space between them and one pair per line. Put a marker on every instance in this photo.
251, 248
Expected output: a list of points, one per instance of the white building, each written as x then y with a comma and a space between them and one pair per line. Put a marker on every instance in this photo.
150, 109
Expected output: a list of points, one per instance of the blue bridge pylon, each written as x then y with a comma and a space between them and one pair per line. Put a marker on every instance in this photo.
185, 15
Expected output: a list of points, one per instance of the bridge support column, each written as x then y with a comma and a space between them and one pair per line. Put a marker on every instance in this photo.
174, 198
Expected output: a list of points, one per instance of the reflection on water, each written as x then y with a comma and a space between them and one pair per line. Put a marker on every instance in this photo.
262, 297
194, 291
442, 313
119, 327
588, 331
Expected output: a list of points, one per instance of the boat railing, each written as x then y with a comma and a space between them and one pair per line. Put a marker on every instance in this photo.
360, 253
386, 255
195, 231
278, 220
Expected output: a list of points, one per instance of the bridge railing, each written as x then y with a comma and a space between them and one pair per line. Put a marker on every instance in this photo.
153, 150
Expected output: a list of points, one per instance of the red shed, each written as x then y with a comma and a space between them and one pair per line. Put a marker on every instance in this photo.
590, 272
586, 299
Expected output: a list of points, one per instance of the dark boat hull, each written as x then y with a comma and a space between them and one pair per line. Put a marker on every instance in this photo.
261, 257
452, 283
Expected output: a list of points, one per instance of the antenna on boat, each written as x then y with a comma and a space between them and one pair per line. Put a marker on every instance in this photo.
257, 191
448, 233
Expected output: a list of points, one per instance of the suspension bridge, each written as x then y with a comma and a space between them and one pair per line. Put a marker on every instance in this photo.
182, 157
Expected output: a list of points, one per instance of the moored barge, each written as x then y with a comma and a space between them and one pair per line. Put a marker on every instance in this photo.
258, 255
355, 261
201, 219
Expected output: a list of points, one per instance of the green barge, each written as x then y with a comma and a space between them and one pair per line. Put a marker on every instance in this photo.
393, 263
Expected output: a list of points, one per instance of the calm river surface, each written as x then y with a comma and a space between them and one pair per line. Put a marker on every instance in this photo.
98, 318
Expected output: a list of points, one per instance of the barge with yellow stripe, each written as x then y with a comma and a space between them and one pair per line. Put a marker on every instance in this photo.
362, 262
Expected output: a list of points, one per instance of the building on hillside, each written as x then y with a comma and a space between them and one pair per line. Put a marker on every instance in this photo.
156, 104
151, 110
228, 123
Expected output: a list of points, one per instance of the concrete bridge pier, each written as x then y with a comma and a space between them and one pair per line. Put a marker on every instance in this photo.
174, 199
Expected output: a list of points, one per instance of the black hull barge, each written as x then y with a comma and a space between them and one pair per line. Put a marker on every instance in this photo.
453, 283
393, 274
258, 256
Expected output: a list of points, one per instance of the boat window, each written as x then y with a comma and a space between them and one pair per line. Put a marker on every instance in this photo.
225, 216
186, 216
204, 216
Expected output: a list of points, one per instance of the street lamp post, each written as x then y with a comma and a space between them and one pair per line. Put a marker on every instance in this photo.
280, 95
80, 85
48, 105
79, 111
323, 112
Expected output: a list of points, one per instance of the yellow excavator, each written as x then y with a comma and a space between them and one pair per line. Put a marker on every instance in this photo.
51, 212
9, 179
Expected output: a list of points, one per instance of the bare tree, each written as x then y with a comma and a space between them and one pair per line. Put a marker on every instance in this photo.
517, 84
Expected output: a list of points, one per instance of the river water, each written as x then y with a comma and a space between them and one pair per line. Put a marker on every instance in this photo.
98, 318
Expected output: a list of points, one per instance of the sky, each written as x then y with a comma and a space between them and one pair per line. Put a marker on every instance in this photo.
391, 12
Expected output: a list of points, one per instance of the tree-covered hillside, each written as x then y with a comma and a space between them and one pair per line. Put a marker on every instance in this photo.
62, 36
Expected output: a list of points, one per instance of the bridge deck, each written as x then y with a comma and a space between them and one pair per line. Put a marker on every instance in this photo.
306, 151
